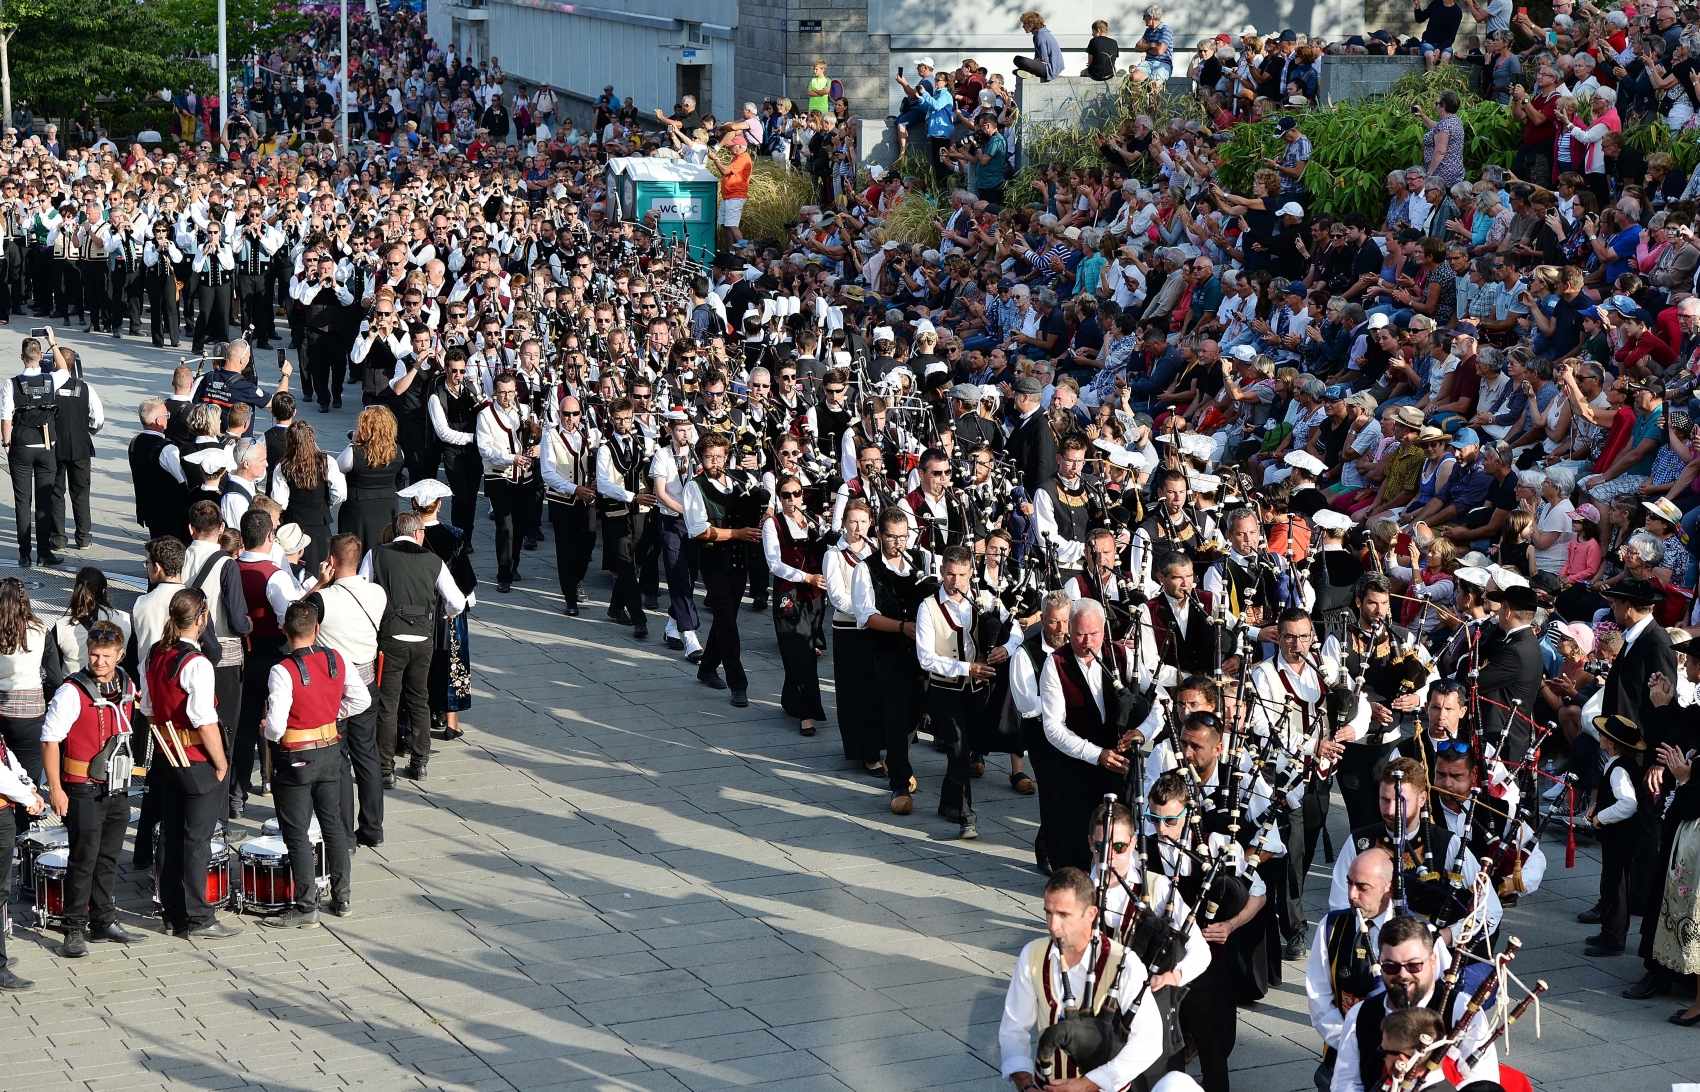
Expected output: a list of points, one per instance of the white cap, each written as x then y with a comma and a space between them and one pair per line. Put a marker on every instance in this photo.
924, 326
1378, 320
1475, 559
928, 61
1304, 460
212, 459
889, 244
1248, 31
426, 493
1330, 520
884, 333
1291, 208
1243, 352
1505, 578
1473, 576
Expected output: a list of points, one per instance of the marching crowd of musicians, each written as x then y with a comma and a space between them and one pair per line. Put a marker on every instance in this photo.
1181, 661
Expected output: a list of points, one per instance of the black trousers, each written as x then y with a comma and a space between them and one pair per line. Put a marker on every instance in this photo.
1315, 816
575, 538
360, 746
162, 305
227, 691
213, 323
1359, 786
620, 535
147, 756
305, 784
420, 453
70, 293
1617, 861
95, 822
23, 739
1040, 757
263, 655
723, 587
124, 298
71, 476
679, 558
649, 557
1209, 1015
528, 508
192, 802
895, 676
327, 369
33, 472
755, 562
44, 279
257, 313
506, 499
407, 669
11, 279
795, 634
951, 711
464, 472
8, 841
92, 276
1077, 789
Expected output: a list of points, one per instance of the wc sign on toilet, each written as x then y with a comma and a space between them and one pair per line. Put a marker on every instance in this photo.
677, 208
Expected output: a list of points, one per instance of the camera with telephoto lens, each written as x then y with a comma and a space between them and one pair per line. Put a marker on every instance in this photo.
1597, 668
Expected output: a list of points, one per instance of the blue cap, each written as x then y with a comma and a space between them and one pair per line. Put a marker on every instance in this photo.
1623, 305
1335, 393
1466, 437
1590, 311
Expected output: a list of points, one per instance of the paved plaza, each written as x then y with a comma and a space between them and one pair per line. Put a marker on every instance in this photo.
616, 881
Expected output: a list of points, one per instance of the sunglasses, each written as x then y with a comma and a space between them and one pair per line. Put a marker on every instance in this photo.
791, 494
1413, 968
1119, 847
572, 413
1452, 747
1153, 817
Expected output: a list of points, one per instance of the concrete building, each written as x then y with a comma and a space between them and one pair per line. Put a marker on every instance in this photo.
727, 52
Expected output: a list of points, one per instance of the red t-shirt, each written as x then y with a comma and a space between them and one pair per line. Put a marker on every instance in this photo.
1547, 105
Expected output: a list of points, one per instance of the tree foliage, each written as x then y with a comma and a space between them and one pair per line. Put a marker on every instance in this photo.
64, 51
251, 25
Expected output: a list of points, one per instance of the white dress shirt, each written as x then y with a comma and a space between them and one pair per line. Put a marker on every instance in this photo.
1346, 1076
15, 784
196, 678
1021, 1017
279, 490
962, 613
1325, 1016
1024, 680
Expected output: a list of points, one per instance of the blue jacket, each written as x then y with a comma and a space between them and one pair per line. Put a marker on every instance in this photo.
941, 113
1046, 49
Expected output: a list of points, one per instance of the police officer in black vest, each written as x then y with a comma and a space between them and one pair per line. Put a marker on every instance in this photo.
29, 414
80, 416
453, 409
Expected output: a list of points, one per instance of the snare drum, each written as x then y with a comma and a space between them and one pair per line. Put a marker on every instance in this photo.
321, 872
268, 885
32, 845
218, 872
50, 870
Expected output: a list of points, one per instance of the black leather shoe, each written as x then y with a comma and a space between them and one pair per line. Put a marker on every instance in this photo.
1041, 859
342, 909
712, 680
369, 843
389, 779
675, 644
651, 602
50, 559
1293, 949
10, 981
76, 945
214, 930
740, 699
1651, 985
694, 657
336, 403
292, 919
1601, 950
529, 543
619, 615
640, 632
504, 586
116, 934
1589, 917
415, 771
140, 863
571, 610
759, 605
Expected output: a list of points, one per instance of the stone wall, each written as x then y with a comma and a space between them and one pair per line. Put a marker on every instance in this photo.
1344, 78
776, 56
1067, 100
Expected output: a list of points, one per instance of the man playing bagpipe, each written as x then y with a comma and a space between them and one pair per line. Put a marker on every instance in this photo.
1437, 872
1393, 672
1342, 968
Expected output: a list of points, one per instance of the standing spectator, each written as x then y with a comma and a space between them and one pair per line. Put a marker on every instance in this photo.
1047, 61
820, 89
1443, 143
734, 186
1443, 18
1158, 45
1101, 53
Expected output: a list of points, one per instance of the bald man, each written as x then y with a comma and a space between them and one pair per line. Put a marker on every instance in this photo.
1338, 975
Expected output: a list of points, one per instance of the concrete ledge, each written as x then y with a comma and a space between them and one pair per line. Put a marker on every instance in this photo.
1068, 100
1345, 78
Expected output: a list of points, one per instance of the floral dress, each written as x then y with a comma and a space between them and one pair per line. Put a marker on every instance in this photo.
1676, 943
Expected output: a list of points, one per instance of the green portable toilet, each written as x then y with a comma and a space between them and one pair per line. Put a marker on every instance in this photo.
685, 198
